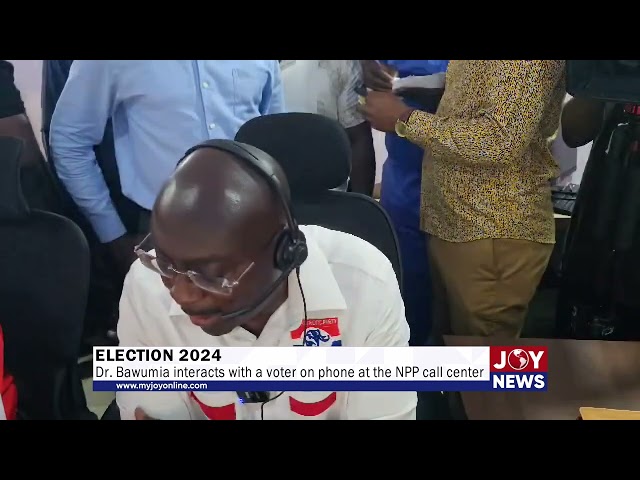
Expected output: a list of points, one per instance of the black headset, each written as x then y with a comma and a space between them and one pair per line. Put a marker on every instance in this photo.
291, 247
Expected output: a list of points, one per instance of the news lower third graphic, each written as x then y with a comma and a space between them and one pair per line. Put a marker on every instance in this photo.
336, 369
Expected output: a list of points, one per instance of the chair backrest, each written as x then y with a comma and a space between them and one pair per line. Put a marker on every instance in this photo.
44, 258
315, 153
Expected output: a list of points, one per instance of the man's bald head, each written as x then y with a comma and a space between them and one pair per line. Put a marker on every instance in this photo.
214, 195
219, 219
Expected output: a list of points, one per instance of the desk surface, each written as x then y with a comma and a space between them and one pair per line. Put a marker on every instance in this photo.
582, 373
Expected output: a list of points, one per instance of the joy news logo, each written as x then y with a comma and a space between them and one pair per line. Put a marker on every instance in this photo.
518, 368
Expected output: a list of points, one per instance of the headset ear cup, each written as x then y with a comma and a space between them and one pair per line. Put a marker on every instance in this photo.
282, 258
301, 251
290, 253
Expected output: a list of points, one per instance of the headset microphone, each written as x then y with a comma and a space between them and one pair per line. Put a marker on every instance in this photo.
263, 298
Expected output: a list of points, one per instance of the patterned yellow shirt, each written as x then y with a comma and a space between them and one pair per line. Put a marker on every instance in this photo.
488, 166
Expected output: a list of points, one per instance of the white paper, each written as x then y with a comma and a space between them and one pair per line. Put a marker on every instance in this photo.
436, 80
3, 416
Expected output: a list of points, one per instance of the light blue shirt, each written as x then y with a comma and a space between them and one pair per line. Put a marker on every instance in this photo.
159, 109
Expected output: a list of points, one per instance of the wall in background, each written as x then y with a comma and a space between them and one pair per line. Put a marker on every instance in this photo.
381, 153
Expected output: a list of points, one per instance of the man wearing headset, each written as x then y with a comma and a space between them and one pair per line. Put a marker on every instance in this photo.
226, 265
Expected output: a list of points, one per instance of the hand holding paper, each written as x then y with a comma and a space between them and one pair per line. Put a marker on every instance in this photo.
425, 91
383, 109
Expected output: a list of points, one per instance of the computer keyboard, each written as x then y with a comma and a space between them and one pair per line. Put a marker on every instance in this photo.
564, 198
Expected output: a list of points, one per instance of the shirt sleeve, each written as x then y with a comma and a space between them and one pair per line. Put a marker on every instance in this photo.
132, 332
351, 74
519, 96
77, 125
11, 103
273, 93
391, 330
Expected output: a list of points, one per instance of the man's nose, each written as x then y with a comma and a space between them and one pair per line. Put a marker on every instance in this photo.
183, 291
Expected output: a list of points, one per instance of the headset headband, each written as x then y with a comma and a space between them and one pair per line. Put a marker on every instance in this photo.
252, 156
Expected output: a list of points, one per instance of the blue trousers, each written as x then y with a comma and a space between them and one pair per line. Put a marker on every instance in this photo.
416, 278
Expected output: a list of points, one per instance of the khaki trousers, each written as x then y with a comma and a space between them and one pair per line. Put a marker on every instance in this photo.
483, 288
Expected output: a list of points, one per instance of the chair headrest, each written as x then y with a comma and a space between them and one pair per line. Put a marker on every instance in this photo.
313, 150
12, 203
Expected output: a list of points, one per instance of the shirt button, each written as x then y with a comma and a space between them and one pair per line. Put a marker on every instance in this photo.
205, 84
212, 126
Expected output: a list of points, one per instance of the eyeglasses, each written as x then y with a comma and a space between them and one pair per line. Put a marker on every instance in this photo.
218, 285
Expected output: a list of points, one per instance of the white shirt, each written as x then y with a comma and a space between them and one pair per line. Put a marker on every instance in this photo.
325, 87
352, 296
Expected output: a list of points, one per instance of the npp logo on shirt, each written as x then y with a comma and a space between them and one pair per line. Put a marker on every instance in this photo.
323, 332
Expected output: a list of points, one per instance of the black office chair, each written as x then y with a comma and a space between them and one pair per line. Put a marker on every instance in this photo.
315, 153
44, 261
112, 412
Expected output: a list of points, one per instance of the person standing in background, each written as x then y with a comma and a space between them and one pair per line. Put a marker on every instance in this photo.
158, 108
400, 190
328, 87
486, 200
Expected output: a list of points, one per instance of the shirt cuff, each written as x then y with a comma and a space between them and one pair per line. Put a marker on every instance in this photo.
419, 127
108, 226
